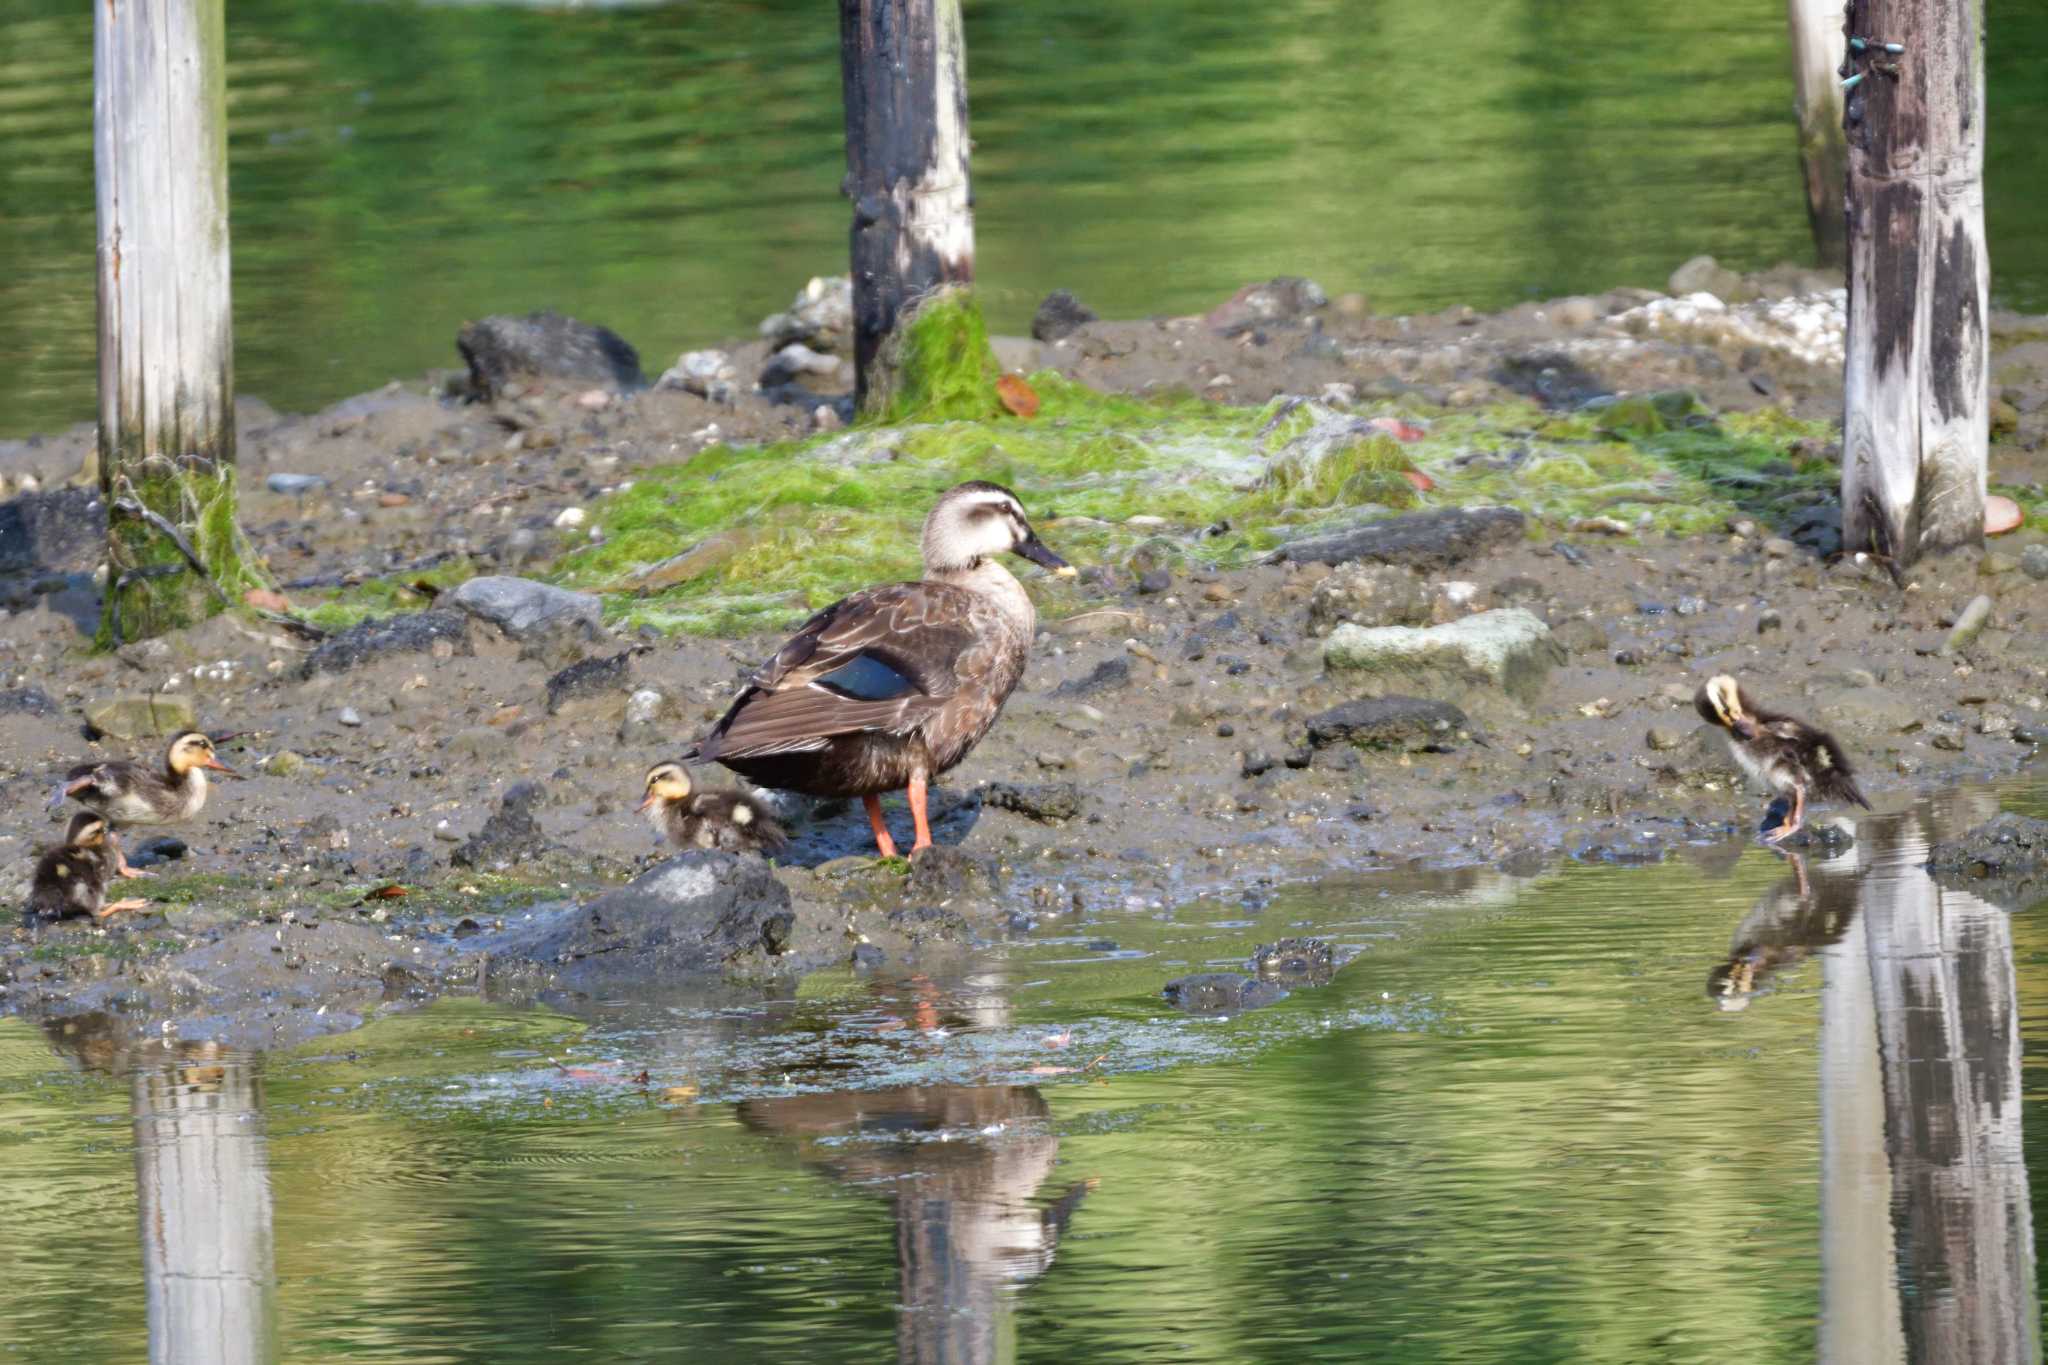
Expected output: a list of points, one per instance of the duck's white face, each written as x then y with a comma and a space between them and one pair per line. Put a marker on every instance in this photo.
977, 521
666, 783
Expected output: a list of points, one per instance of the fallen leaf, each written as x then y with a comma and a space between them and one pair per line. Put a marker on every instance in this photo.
1423, 483
679, 1092
1398, 429
504, 715
263, 599
2001, 514
386, 893
1017, 396
392, 499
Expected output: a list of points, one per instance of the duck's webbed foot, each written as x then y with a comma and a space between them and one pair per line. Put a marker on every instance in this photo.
1793, 822
116, 907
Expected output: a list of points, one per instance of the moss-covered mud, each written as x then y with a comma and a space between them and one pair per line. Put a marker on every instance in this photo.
1679, 521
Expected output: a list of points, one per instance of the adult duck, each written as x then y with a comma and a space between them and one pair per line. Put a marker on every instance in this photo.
1788, 757
891, 687
136, 794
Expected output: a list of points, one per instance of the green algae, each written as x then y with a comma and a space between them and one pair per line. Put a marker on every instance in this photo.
764, 535
374, 598
937, 365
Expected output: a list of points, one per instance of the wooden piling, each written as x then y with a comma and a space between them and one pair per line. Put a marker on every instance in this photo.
904, 68
166, 354
1817, 44
1917, 376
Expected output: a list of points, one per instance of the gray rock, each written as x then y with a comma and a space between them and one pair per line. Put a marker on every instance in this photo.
709, 374
1367, 595
284, 763
647, 718
1508, 649
1288, 298
691, 915
29, 701
796, 360
63, 530
821, 316
2034, 561
597, 676
1663, 739
158, 716
510, 835
2004, 860
545, 346
1388, 723
1060, 315
413, 633
1704, 275
946, 875
1968, 626
1105, 676
349, 716
524, 609
1221, 993
295, 485
1425, 540
1294, 962
1051, 803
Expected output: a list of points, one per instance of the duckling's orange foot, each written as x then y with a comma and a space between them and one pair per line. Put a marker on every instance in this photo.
115, 908
124, 870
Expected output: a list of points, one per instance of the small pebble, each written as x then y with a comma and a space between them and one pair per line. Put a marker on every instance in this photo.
570, 517
1769, 620
350, 716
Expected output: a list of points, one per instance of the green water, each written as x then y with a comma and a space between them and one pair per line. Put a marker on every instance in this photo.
1517, 1127
673, 170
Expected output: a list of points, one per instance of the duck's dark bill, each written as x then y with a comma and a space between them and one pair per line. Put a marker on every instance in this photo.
1035, 551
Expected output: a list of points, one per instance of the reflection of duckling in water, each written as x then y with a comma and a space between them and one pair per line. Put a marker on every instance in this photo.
1784, 927
71, 879
694, 819
1789, 757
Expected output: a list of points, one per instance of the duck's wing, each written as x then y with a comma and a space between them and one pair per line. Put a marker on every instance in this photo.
95, 783
881, 660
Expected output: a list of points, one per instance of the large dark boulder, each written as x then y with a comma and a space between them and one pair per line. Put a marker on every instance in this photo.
1389, 723
2004, 860
1423, 540
545, 346
698, 913
63, 530
1221, 993
412, 633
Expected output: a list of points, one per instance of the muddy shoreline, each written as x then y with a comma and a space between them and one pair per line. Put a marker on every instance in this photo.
1173, 738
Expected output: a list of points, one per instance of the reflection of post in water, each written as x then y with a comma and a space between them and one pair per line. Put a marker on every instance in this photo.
1927, 1237
1947, 1003
966, 1223
202, 1183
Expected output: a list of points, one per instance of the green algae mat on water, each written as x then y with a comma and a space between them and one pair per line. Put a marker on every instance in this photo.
736, 539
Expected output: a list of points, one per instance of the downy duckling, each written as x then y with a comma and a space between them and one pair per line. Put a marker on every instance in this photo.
135, 794
71, 879
1789, 757
887, 689
725, 820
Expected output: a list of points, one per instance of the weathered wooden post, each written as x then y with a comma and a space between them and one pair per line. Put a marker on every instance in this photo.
167, 436
1816, 28
904, 67
1916, 386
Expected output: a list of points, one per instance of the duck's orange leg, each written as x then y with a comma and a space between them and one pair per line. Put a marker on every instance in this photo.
116, 907
882, 839
121, 867
919, 793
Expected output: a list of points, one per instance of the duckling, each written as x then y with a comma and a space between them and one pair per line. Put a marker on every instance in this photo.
725, 820
889, 688
134, 794
71, 879
1789, 757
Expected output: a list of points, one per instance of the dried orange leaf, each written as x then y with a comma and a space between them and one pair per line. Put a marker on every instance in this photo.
263, 599
1423, 483
1398, 429
386, 893
1017, 395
